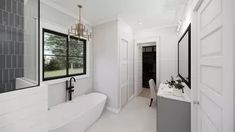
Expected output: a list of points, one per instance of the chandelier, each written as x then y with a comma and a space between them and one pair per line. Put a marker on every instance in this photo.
80, 30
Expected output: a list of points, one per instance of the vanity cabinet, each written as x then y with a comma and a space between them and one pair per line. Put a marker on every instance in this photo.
173, 112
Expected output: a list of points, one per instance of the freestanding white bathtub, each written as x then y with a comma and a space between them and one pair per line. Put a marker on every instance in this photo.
76, 115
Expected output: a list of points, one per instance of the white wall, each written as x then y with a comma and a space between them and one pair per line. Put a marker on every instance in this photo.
24, 110
30, 40
54, 19
106, 69
167, 47
107, 37
234, 62
125, 32
187, 17
168, 53
191, 17
138, 70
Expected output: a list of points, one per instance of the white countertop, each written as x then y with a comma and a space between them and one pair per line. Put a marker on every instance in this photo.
166, 92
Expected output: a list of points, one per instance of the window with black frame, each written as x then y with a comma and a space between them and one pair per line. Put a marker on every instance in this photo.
63, 56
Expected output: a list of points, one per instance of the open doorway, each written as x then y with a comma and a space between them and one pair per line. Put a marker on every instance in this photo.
143, 46
149, 65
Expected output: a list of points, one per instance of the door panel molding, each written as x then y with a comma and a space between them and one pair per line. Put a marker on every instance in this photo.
215, 67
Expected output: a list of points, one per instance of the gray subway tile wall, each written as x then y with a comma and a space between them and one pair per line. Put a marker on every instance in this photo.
11, 43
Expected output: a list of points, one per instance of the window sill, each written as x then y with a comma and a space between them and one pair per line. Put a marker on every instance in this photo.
61, 80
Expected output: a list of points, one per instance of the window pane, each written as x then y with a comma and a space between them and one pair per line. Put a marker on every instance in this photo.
76, 65
54, 66
149, 49
62, 59
76, 47
54, 44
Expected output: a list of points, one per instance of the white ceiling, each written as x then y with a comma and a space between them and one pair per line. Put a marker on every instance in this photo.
152, 13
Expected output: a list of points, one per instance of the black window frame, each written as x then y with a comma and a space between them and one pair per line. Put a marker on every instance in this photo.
187, 32
67, 55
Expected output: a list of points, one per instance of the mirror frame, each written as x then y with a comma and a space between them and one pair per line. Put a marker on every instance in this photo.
188, 30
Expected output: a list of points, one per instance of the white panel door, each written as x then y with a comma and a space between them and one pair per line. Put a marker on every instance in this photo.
215, 67
124, 71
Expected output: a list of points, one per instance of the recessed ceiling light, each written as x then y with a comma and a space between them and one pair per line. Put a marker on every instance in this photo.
140, 23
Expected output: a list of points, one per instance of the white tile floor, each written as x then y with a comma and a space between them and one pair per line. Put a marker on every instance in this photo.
137, 116
145, 93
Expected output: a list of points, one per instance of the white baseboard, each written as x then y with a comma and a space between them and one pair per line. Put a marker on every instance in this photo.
114, 110
138, 92
131, 98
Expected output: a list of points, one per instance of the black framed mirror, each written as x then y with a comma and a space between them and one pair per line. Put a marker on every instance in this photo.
184, 57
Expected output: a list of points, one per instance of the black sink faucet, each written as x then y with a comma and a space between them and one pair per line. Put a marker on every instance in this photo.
70, 88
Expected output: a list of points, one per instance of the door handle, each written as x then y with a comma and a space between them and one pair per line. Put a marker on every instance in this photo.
196, 102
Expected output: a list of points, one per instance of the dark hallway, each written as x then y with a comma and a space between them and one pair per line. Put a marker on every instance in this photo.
149, 65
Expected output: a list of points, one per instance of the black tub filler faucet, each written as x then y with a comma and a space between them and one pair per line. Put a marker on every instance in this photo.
70, 87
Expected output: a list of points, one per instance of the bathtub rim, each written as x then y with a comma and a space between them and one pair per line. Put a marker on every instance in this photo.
71, 119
